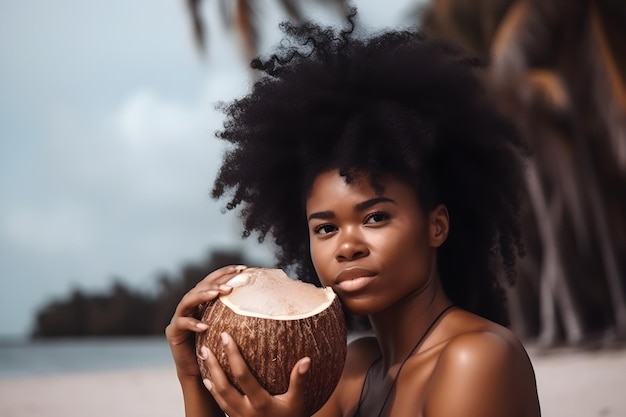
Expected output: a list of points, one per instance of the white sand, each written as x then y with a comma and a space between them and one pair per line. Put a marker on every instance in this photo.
149, 393
582, 384
571, 384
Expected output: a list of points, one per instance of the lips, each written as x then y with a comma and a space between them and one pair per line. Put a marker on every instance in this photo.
353, 279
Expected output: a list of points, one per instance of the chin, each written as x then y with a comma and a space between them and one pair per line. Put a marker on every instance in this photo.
360, 307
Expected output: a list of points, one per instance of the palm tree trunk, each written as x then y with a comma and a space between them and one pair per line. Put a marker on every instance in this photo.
602, 234
555, 291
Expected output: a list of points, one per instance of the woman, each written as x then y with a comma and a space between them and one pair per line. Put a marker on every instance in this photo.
379, 167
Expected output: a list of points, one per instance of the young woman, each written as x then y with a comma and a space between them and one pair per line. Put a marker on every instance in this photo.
379, 167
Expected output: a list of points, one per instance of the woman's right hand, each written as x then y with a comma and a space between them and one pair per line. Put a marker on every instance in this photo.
255, 400
184, 325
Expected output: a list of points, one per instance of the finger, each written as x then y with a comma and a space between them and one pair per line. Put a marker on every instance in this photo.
227, 408
180, 325
238, 365
207, 289
199, 310
298, 380
181, 329
204, 355
257, 395
190, 301
221, 275
224, 393
210, 286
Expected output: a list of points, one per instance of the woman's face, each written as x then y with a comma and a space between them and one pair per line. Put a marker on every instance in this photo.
373, 249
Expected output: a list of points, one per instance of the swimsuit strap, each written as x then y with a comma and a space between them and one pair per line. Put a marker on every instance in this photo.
393, 383
365, 382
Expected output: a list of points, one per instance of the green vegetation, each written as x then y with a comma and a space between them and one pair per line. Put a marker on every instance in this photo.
123, 311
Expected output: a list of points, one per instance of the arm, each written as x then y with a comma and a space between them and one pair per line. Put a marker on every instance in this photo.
483, 374
198, 401
180, 335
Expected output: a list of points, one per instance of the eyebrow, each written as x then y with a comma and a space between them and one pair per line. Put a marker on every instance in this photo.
328, 214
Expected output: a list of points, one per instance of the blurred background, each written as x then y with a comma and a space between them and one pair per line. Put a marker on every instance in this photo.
107, 153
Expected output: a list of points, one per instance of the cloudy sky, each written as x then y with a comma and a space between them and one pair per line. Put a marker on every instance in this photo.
107, 152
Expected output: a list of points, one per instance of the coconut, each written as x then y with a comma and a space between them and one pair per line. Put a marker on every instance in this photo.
276, 321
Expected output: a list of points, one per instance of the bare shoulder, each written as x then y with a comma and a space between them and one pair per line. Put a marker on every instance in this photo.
482, 340
486, 369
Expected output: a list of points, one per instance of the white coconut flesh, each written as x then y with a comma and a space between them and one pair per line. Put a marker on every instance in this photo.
271, 294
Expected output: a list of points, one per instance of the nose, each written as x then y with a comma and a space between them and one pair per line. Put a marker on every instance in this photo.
350, 246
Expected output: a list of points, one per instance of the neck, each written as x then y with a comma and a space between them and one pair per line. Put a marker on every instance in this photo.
399, 328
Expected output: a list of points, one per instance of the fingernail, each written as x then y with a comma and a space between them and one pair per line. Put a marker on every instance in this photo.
208, 384
224, 337
305, 364
202, 326
240, 268
225, 287
204, 352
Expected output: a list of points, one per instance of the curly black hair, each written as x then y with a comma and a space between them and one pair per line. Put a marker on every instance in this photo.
397, 103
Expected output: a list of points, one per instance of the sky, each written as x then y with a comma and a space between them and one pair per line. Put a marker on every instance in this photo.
107, 146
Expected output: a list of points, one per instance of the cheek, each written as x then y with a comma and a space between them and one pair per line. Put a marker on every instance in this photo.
321, 262
408, 253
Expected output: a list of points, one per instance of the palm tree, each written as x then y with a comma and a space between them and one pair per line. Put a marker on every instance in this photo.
557, 69
240, 14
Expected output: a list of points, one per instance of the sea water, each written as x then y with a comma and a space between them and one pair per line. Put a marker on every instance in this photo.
37, 357
26, 357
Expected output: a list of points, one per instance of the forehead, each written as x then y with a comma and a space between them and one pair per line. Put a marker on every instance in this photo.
332, 181
330, 188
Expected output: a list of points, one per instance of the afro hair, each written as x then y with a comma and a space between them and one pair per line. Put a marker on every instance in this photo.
396, 102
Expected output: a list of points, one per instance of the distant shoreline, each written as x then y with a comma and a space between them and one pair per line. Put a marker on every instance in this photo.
4, 340
68, 355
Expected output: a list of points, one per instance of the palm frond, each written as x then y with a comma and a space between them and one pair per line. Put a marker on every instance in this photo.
293, 9
244, 21
242, 16
472, 24
197, 24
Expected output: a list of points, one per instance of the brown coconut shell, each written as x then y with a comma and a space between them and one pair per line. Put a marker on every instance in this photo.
276, 321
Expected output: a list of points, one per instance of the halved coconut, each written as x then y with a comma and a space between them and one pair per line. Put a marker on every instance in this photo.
275, 321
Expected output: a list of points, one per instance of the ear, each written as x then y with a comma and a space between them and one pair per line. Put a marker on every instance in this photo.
439, 225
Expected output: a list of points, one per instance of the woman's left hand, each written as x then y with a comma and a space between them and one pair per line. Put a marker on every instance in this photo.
256, 401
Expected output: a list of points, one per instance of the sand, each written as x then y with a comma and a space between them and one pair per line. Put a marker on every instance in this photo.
570, 384
581, 384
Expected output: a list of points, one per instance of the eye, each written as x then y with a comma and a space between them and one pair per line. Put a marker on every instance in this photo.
376, 217
324, 229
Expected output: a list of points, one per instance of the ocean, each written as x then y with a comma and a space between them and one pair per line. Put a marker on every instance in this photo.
38, 357
25, 357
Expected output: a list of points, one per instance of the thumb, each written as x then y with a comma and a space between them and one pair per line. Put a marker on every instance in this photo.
298, 379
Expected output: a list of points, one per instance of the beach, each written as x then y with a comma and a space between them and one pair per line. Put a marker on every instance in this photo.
571, 383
